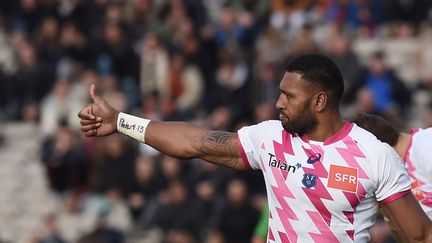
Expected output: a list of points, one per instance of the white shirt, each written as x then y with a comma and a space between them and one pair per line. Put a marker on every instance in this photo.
323, 191
419, 165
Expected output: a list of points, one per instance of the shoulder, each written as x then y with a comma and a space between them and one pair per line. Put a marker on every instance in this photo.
266, 126
370, 145
421, 141
422, 134
262, 131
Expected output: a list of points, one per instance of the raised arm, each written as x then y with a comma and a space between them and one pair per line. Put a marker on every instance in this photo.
185, 140
406, 215
177, 139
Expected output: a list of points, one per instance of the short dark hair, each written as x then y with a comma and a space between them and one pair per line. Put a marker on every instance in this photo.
319, 70
378, 126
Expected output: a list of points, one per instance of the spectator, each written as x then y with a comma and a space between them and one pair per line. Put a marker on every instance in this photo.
143, 200
64, 160
271, 49
340, 52
52, 234
390, 94
114, 54
48, 45
75, 44
177, 212
172, 169
238, 218
56, 107
116, 165
103, 234
233, 83
182, 90
29, 83
154, 65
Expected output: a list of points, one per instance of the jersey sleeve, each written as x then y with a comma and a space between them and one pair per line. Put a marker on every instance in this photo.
248, 141
393, 181
421, 155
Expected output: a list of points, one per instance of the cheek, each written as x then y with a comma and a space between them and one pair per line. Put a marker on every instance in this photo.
293, 111
296, 107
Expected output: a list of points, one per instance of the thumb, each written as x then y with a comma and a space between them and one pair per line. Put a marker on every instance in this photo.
96, 99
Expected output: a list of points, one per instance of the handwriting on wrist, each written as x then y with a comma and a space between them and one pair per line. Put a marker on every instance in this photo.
133, 126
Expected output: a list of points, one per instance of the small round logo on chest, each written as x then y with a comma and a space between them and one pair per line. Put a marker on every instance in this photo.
309, 180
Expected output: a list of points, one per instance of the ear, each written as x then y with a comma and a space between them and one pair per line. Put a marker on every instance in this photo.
320, 101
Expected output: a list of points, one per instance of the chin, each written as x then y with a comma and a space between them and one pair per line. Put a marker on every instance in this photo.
291, 129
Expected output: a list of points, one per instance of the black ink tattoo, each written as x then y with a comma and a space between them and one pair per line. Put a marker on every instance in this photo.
221, 148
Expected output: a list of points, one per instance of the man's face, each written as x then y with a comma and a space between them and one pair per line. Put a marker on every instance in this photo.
295, 105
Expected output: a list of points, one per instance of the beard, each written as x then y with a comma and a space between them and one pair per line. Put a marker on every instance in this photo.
303, 122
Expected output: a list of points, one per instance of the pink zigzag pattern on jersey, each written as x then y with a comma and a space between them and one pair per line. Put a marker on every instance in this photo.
315, 196
326, 234
354, 201
270, 235
320, 192
281, 190
285, 212
349, 154
283, 237
284, 147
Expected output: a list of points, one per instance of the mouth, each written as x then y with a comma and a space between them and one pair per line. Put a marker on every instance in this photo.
283, 117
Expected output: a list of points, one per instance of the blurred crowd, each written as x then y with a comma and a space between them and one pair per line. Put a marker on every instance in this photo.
216, 63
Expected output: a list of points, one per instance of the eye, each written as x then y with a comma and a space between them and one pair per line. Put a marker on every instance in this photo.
288, 94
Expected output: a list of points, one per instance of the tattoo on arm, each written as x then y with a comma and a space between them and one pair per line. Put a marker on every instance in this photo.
220, 147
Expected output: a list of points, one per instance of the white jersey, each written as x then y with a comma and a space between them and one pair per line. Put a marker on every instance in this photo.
419, 164
323, 191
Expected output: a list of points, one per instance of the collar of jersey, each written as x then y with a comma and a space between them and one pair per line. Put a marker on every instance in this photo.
343, 132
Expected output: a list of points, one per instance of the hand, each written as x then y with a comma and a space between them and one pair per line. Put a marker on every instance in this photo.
98, 119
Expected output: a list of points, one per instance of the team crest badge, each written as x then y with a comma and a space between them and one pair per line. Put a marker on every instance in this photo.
309, 180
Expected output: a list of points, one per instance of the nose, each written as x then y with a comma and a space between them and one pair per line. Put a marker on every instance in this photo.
279, 103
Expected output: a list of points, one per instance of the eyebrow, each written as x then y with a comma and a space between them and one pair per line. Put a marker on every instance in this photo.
286, 92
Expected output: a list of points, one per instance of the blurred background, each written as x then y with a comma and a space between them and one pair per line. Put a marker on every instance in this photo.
216, 63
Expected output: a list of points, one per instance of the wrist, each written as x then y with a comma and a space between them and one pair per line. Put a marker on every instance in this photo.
115, 120
132, 126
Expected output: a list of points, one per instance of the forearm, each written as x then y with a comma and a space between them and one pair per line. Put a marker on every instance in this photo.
185, 140
177, 139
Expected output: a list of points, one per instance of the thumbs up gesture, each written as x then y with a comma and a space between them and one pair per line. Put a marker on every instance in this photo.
99, 118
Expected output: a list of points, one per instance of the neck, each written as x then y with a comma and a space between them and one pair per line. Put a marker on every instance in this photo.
327, 127
402, 144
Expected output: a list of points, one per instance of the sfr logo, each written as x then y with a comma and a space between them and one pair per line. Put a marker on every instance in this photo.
343, 178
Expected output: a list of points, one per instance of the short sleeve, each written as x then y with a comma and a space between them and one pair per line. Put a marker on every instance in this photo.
393, 181
250, 138
420, 152
247, 149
